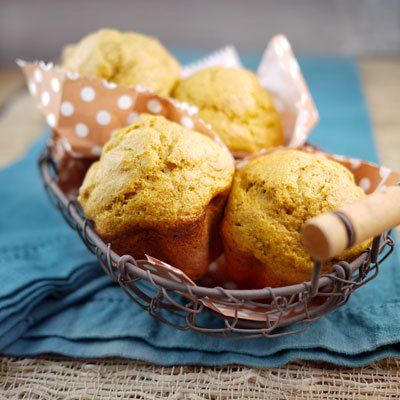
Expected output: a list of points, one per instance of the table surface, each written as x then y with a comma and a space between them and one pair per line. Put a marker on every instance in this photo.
60, 378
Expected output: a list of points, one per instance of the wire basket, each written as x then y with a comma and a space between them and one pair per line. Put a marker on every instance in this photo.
285, 310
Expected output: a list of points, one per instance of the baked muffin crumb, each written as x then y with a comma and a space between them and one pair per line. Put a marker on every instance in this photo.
271, 198
128, 59
233, 101
160, 189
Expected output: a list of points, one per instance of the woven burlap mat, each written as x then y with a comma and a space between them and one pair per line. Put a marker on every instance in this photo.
55, 378
27, 378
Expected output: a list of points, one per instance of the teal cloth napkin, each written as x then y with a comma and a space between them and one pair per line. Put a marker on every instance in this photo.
54, 297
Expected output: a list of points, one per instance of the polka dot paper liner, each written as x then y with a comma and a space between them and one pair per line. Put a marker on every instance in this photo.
86, 112
369, 176
279, 73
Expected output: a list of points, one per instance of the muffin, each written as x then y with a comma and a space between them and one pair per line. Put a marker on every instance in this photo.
160, 189
238, 108
272, 196
128, 59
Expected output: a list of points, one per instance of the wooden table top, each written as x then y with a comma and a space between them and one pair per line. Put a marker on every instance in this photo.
20, 124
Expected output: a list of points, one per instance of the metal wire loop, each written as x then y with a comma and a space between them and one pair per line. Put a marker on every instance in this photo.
122, 266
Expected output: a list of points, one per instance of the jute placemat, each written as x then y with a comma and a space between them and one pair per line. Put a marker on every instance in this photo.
109, 379
57, 378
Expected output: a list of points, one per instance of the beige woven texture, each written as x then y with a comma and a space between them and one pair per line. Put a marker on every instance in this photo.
57, 378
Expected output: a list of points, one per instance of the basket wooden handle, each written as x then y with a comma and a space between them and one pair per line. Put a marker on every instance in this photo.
328, 235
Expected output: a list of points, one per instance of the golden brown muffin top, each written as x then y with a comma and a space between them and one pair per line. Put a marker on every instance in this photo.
128, 59
154, 172
233, 101
273, 195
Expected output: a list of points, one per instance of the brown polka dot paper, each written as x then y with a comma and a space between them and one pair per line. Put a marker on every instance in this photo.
86, 112
369, 176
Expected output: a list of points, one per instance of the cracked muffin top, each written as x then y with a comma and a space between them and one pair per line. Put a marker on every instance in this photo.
154, 172
238, 108
128, 59
273, 195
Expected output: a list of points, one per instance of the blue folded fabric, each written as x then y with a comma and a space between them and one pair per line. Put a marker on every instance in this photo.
41, 272
55, 298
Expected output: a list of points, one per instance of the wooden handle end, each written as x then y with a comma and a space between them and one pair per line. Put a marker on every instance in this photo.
318, 240
329, 235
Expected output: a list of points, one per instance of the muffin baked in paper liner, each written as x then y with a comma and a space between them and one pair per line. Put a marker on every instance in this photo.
85, 112
370, 177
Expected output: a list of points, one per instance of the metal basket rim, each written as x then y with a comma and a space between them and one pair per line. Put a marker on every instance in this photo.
48, 169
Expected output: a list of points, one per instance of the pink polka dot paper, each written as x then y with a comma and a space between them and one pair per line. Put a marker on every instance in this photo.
279, 73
